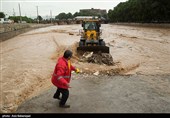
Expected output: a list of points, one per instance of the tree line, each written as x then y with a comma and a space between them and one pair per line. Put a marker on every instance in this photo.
60, 16
24, 18
63, 15
142, 11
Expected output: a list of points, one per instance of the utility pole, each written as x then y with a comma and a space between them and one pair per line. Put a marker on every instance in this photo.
51, 15
37, 15
20, 13
13, 12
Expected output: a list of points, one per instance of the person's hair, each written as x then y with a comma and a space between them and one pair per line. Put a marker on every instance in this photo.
67, 54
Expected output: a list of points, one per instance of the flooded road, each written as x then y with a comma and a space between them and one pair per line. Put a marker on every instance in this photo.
28, 60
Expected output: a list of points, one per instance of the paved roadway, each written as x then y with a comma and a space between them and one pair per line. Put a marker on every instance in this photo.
107, 94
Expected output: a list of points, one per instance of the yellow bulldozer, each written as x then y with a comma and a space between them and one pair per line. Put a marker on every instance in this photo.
91, 37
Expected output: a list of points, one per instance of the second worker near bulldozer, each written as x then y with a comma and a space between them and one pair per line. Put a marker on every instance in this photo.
61, 78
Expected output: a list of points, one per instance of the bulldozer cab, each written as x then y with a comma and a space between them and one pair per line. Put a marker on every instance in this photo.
91, 25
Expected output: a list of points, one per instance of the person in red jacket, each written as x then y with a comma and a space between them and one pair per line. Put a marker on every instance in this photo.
61, 78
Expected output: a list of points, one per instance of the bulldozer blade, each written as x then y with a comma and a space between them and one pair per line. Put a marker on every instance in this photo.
103, 49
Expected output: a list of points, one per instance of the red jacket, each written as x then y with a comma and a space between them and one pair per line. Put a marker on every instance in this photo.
62, 73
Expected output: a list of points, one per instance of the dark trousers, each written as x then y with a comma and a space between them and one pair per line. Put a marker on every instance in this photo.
65, 95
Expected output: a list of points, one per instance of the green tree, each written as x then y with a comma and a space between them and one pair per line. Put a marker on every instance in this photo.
39, 18
141, 11
61, 16
2, 15
28, 20
76, 14
17, 19
69, 15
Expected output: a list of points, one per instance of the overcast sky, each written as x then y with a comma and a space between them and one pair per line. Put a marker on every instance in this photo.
28, 7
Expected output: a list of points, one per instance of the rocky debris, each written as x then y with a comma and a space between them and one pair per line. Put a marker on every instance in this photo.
98, 58
71, 33
87, 55
96, 73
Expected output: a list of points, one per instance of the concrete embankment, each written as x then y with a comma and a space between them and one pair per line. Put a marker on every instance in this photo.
8, 31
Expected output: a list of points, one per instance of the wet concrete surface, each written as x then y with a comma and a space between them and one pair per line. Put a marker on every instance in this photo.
106, 94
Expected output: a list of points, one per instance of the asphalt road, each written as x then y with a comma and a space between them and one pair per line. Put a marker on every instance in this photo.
107, 94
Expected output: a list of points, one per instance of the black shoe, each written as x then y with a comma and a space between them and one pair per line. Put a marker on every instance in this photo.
64, 106
56, 97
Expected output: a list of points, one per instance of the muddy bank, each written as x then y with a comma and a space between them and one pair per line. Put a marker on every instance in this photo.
8, 31
12, 27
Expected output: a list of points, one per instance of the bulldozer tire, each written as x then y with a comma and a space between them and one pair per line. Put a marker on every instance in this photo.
102, 43
81, 43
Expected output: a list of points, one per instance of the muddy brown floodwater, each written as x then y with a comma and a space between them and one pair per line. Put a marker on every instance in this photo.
28, 60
